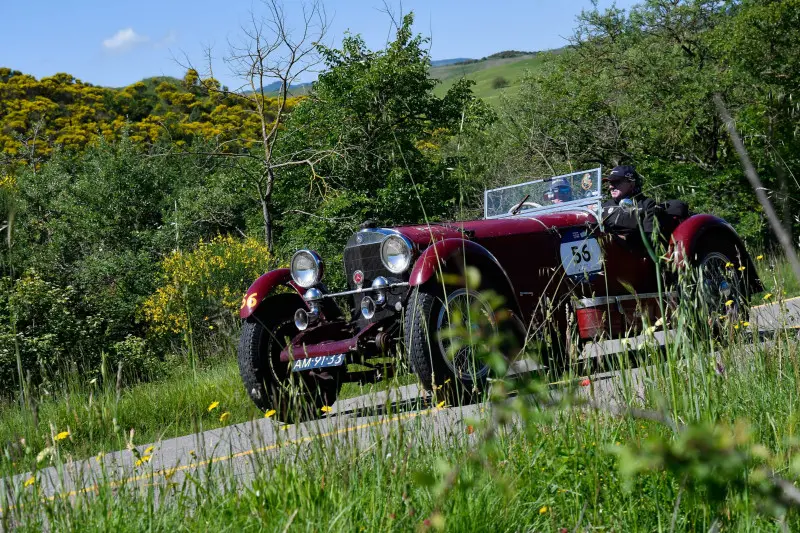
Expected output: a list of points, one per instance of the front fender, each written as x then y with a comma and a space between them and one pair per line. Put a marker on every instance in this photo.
263, 286
455, 252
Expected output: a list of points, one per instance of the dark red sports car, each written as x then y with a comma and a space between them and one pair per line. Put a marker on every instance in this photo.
542, 246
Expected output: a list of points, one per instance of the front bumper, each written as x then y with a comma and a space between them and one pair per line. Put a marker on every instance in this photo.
317, 342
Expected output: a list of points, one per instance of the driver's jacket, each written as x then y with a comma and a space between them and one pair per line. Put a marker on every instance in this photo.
626, 221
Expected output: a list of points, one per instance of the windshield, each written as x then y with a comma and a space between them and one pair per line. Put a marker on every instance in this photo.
571, 191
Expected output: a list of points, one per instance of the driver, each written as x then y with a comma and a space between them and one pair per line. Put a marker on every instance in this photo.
624, 217
560, 191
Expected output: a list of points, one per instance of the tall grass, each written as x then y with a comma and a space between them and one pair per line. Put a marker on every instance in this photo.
699, 438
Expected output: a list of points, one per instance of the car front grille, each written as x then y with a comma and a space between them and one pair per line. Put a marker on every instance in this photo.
363, 252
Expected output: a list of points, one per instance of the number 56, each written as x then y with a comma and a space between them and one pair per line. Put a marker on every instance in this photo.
581, 253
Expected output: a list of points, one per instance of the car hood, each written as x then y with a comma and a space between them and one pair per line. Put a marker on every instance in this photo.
424, 234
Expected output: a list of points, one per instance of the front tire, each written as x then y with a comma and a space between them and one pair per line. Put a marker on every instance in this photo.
270, 383
451, 367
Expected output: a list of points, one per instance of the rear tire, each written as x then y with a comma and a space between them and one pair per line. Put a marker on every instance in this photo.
269, 382
722, 290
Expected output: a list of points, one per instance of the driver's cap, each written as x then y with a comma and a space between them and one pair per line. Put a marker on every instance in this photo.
622, 171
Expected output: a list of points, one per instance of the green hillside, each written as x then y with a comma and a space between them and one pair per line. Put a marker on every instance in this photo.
485, 72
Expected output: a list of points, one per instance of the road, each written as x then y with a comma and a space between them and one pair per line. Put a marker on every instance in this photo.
241, 448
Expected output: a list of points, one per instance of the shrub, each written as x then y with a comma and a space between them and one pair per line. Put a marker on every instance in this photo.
44, 323
203, 287
499, 82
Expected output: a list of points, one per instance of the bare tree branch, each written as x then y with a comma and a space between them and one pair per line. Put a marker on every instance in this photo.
758, 187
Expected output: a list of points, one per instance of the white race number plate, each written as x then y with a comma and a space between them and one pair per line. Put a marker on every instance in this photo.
580, 254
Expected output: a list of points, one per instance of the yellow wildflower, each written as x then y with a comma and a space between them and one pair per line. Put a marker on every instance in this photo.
440, 405
728, 265
768, 296
759, 258
213, 406
63, 435
741, 268
149, 450
269, 413
224, 416
746, 324
326, 409
729, 303
143, 460
543, 510
30, 481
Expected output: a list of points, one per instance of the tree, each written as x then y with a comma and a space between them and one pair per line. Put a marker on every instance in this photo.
270, 58
377, 110
638, 86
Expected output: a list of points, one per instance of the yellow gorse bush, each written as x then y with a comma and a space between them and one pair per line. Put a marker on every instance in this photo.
208, 281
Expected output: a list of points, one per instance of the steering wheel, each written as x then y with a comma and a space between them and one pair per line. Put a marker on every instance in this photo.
518, 207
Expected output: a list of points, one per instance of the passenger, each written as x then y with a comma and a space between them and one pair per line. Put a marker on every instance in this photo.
559, 191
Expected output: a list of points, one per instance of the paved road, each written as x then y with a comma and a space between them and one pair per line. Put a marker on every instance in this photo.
242, 448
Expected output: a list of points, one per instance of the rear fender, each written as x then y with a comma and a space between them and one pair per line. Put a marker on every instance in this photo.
451, 255
697, 228
264, 285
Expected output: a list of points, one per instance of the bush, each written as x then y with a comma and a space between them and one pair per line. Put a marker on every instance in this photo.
44, 324
137, 359
499, 82
204, 287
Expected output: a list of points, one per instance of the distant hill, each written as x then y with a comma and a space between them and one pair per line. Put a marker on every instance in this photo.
443, 62
294, 88
493, 74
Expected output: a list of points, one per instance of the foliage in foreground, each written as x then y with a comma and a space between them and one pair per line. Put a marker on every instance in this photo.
703, 436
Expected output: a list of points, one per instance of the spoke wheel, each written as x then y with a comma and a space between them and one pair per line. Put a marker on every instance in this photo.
458, 313
719, 286
270, 383
443, 341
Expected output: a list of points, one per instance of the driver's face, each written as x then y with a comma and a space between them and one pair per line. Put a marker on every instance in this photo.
620, 188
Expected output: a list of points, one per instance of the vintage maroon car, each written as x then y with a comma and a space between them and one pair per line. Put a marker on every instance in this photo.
542, 246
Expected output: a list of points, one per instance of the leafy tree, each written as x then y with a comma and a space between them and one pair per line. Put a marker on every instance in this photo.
377, 111
637, 86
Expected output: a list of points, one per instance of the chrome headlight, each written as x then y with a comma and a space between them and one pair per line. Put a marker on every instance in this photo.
307, 268
396, 253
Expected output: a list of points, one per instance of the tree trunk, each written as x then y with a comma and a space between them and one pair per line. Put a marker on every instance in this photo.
267, 223
264, 197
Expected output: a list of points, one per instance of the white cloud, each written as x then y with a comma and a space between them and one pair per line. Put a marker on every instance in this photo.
168, 39
124, 39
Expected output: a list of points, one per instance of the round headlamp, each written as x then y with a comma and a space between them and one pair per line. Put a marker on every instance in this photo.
396, 253
307, 268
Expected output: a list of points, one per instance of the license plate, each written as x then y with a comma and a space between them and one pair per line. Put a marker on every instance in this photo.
318, 362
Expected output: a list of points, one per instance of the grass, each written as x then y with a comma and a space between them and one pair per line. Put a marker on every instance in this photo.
558, 466
534, 462
777, 277
484, 74
100, 420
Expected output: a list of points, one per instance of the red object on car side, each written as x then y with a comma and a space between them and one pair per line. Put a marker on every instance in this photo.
263, 286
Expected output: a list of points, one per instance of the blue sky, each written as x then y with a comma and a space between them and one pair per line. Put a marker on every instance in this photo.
118, 42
